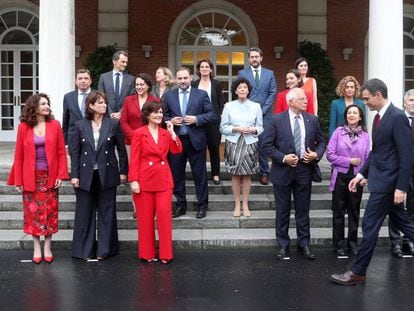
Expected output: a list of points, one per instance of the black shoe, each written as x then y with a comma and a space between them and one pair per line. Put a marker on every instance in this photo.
396, 251
408, 248
201, 213
216, 181
283, 253
179, 211
306, 252
353, 248
340, 251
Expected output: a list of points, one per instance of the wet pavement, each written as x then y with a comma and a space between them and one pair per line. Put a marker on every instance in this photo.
203, 280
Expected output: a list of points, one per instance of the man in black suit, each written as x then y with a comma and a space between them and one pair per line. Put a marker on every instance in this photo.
117, 84
74, 104
294, 141
407, 245
189, 109
389, 170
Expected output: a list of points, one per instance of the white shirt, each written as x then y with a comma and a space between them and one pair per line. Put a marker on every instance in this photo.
292, 116
258, 69
181, 96
80, 97
121, 77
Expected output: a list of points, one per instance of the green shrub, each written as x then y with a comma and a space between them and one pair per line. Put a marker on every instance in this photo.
99, 62
322, 70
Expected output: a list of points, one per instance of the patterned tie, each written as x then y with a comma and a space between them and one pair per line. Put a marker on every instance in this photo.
83, 103
117, 86
256, 78
184, 129
297, 136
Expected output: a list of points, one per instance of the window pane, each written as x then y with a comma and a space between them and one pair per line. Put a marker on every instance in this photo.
239, 39
222, 58
24, 19
6, 70
7, 124
26, 70
213, 39
409, 85
7, 97
17, 37
220, 20
24, 96
7, 83
222, 70
206, 20
7, 57
26, 57
408, 24
34, 26
6, 111
187, 38
26, 83
10, 18
409, 60
237, 58
203, 55
408, 43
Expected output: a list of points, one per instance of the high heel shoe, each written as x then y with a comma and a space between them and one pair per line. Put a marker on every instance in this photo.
216, 181
166, 261
37, 260
49, 259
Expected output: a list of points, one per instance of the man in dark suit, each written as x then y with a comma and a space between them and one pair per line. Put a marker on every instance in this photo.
189, 109
74, 104
263, 91
407, 245
295, 143
117, 84
389, 169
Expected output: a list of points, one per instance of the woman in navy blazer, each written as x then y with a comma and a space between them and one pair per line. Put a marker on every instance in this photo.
151, 182
95, 176
348, 89
214, 91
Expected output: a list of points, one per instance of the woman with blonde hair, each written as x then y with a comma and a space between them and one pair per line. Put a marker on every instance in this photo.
164, 82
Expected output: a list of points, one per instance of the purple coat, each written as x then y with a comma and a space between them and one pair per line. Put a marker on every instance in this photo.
340, 150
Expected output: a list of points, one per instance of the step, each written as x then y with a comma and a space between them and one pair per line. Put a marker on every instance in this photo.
190, 238
214, 220
217, 202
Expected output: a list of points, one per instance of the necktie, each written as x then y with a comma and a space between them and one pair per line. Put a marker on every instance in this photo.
117, 86
256, 78
83, 103
297, 136
184, 129
377, 120
412, 126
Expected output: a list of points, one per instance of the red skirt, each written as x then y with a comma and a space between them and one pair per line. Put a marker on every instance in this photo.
40, 208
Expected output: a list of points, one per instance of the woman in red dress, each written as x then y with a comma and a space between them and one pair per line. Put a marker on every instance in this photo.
38, 169
151, 182
309, 83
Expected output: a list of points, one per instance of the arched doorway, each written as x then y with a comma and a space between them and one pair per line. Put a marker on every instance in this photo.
19, 57
217, 30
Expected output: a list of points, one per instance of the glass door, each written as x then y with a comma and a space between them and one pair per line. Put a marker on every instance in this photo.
18, 80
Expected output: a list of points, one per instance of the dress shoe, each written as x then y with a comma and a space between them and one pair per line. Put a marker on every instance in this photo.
396, 251
340, 251
49, 259
134, 215
216, 180
306, 252
408, 248
348, 278
179, 211
283, 253
264, 180
201, 213
166, 261
37, 260
353, 248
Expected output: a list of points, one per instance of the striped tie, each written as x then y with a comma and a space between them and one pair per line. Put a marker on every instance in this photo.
297, 136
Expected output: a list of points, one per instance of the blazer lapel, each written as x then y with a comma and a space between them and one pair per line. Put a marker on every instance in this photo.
87, 128
306, 121
151, 142
103, 132
74, 101
288, 127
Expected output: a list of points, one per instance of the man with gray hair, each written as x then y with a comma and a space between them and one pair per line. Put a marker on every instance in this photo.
407, 245
117, 84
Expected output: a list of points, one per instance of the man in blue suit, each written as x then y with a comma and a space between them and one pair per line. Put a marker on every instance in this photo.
388, 169
74, 104
295, 143
189, 109
263, 91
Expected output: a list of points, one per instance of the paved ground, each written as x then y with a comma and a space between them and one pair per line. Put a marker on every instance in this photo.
203, 280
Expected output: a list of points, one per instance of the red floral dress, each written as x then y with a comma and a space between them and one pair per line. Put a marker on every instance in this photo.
40, 208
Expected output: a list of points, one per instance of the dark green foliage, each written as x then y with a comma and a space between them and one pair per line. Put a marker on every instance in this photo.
322, 70
99, 62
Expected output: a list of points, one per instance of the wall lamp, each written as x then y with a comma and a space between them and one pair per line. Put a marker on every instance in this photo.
147, 49
346, 52
278, 50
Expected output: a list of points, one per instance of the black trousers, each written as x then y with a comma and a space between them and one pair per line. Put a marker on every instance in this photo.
88, 203
213, 143
344, 201
393, 232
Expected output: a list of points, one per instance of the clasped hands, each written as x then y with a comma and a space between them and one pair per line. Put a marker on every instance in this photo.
188, 120
292, 159
244, 129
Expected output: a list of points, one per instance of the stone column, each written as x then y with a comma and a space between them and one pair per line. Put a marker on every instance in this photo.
385, 47
56, 50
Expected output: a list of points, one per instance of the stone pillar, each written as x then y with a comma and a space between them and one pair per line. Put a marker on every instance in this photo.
385, 47
56, 51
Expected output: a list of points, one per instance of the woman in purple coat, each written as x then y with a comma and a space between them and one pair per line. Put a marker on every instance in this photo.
347, 150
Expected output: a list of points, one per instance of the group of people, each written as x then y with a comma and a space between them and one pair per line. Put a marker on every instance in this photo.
161, 127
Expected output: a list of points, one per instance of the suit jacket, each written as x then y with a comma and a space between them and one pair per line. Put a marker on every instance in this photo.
282, 104
265, 94
337, 113
71, 114
217, 98
390, 163
278, 141
198, 105
23, 170
106, 85
149, 163
84, 156
131, 115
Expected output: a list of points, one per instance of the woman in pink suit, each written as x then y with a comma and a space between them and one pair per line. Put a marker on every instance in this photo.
151, 182
38, 169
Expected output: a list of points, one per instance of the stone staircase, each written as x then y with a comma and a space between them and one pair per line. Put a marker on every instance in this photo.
218, 230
